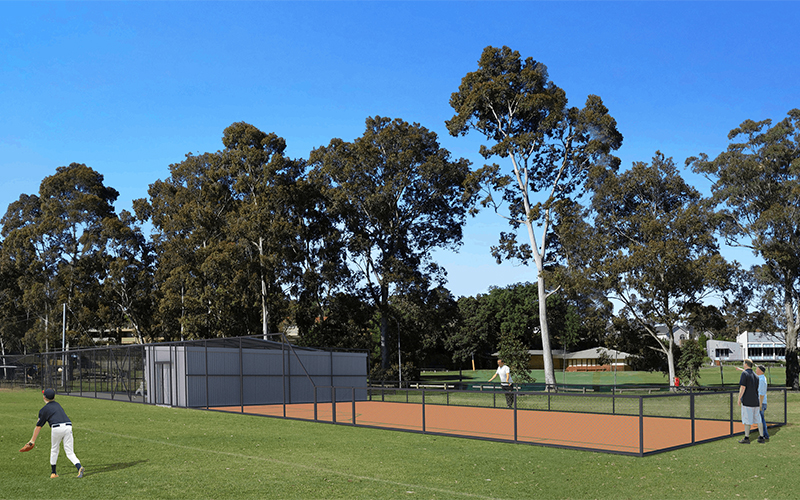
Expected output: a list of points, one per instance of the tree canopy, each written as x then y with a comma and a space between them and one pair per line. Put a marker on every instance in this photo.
553, 150
227, 237
653, 248
396, 196
757, 185
55, 247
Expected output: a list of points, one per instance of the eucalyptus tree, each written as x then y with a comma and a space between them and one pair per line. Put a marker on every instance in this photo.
476, 334
424, 320
13, 320
345, 321
226, 236
654, 249
57, 239
328, 308
269, 212
517, 327
189, 215
129, 286
396, 196
28, 266
757, 182
552, 148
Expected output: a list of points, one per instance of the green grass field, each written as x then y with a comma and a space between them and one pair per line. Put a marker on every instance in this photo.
132, 450
708, 376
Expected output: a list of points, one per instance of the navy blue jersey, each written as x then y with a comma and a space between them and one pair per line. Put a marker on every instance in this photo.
52, 413
750, 382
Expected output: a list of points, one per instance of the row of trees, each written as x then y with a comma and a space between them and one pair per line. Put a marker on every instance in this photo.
248, 241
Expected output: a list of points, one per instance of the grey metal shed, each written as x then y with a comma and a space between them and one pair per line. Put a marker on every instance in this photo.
249, 371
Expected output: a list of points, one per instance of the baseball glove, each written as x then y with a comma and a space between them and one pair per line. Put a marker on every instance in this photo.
28, 446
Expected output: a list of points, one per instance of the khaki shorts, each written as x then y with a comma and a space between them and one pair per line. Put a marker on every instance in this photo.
750, 415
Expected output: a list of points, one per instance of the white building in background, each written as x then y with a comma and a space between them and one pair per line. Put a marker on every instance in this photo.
761, 346
724, 351
758, 346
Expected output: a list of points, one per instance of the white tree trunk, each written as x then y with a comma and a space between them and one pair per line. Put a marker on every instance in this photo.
264, 308
547, 353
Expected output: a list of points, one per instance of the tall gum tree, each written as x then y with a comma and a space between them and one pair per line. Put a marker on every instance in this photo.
58, 241
264, 183
128, 286
189, 212
30, 264
553, 150
225, 236
653, 248
396, 196
757, 182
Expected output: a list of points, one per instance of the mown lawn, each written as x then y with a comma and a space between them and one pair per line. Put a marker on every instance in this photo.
142, 451
708, 376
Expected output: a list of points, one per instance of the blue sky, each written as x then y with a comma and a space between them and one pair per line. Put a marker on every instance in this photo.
130, 88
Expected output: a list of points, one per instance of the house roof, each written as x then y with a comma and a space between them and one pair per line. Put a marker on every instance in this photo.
678, 330
759, 336
592, 353
596, 352
557, 353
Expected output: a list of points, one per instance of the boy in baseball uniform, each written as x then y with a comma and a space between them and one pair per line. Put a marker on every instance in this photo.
60, 431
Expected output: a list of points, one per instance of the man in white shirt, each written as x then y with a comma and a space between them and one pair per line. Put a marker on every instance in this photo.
762, 394
504, 372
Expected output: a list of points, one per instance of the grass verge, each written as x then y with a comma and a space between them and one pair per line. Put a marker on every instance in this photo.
708, 376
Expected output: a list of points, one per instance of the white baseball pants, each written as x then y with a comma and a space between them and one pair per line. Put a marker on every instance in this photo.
57, 435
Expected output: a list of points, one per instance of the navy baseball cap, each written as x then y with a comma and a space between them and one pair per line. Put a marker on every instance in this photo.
49, 393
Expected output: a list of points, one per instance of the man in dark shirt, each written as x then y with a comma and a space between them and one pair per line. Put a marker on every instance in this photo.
749, 401
60, 431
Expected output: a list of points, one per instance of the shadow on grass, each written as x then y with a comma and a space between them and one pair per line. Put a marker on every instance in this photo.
101, 469
773, 430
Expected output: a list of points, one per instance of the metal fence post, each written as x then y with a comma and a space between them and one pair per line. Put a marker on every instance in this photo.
94, 369
423, 411
730, 394
785, 396
205, 350
241, 376
641, 426
515, 416
691, 413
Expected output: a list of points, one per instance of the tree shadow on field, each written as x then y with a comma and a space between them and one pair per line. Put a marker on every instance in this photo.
100, 469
